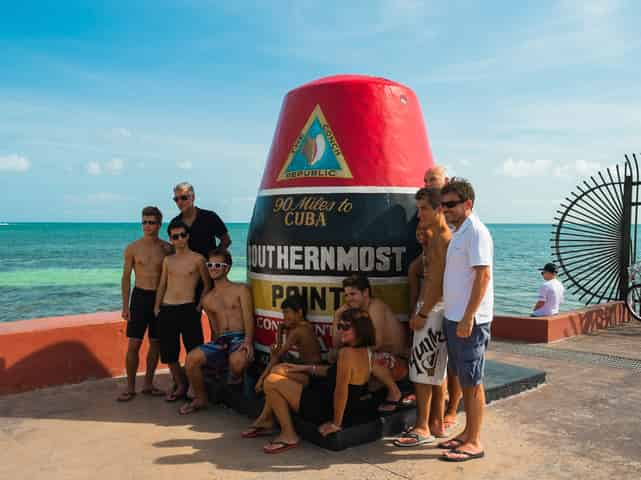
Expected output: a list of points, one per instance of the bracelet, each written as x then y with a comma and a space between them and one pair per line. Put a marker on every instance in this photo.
421, 314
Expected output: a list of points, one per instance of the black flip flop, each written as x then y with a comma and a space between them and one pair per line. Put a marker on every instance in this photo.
468, 456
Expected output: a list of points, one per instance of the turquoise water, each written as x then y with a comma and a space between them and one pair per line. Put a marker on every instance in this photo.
50, 269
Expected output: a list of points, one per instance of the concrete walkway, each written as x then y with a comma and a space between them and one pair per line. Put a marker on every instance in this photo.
584, 423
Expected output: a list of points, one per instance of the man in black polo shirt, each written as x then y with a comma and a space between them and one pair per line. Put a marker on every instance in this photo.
205, 226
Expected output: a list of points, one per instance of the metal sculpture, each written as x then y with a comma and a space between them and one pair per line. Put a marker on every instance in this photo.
595, 237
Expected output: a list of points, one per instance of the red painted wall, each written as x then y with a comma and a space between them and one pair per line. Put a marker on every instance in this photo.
59, 350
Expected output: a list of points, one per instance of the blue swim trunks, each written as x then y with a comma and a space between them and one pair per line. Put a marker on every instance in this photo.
217, 352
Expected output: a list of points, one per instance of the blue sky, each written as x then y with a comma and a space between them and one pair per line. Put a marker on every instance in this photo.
105, 105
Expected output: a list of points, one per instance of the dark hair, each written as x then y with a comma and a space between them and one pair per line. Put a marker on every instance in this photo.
461, 187
175, 224
295, 302
431, 195
221, 252
362, 324
152, 212
359, 281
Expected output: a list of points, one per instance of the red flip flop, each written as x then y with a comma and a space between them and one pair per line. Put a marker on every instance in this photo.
284, 446
254, 432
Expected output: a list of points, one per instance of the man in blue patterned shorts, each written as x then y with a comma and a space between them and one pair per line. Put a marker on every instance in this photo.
229, 308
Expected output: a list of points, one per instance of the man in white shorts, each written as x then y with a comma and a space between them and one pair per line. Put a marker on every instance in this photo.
428, 356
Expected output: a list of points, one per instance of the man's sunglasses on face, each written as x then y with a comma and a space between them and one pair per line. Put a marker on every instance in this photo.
451, 204
216, 265
176, 236
150, 222
182, 198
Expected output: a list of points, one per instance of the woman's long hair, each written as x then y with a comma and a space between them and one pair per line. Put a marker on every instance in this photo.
362, 324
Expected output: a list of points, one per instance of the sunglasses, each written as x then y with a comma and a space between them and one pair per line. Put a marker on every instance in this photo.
452, 203
344, 326
182, 198
216, 264
176, 236
149, 222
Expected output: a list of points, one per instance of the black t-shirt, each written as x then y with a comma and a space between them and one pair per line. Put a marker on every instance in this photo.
203, 232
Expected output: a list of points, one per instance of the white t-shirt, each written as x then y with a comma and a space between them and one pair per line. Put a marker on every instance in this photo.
471, 246
551, 292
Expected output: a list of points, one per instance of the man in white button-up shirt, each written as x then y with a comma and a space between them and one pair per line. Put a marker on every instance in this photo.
468, 297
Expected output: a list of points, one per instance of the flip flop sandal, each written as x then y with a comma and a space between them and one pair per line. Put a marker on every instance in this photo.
189, 408
126, 396
255, 432
451, 444
408, 400
152, 392
467, 456
173, 396
417, 437
396, 404
284, 446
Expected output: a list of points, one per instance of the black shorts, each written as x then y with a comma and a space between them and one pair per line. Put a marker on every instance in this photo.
141, 314
174, 321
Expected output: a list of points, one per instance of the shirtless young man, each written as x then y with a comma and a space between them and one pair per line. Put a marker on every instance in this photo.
392, 339
144, 257
230, 312
177, 307
299, 335
428, 360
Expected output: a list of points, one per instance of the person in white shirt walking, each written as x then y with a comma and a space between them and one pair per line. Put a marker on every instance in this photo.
468, 298
550, 294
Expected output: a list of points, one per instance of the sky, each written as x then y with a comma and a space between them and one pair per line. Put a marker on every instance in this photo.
104, 106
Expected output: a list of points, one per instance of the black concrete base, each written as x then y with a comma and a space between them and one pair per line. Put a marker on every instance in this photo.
501, 380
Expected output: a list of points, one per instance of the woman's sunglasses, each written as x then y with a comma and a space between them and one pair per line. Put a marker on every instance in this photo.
344, 326
183, 198
176, 236
216, 265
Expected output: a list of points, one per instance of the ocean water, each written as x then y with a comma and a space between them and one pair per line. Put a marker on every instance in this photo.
50, 269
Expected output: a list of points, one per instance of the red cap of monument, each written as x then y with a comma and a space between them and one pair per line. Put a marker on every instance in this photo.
349, 130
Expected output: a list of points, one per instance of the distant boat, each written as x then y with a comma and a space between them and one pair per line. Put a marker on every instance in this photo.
3, 224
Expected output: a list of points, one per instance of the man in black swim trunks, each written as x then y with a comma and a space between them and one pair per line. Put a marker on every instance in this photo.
145, 257
178, 306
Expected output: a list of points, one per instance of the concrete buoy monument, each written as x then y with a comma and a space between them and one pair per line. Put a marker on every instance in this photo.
337, 197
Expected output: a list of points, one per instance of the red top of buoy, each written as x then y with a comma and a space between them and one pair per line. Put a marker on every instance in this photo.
349, 130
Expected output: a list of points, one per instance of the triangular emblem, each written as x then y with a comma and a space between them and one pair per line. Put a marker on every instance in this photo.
315, 152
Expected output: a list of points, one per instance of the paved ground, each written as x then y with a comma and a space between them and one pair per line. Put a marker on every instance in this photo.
585, 423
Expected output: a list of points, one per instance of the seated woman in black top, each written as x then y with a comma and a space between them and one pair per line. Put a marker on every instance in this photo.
333, 396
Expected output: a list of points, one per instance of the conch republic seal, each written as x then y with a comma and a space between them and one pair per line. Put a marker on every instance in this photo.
337, 197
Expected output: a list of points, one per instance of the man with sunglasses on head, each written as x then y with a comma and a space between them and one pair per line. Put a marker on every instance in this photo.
145, 258
230, 311
178, 306
468, 299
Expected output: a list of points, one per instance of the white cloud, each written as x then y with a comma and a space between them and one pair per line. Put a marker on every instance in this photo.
184, 164
94, 168
122, 132
541, 168
523, 168
112, 167
100, 197
14, 163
